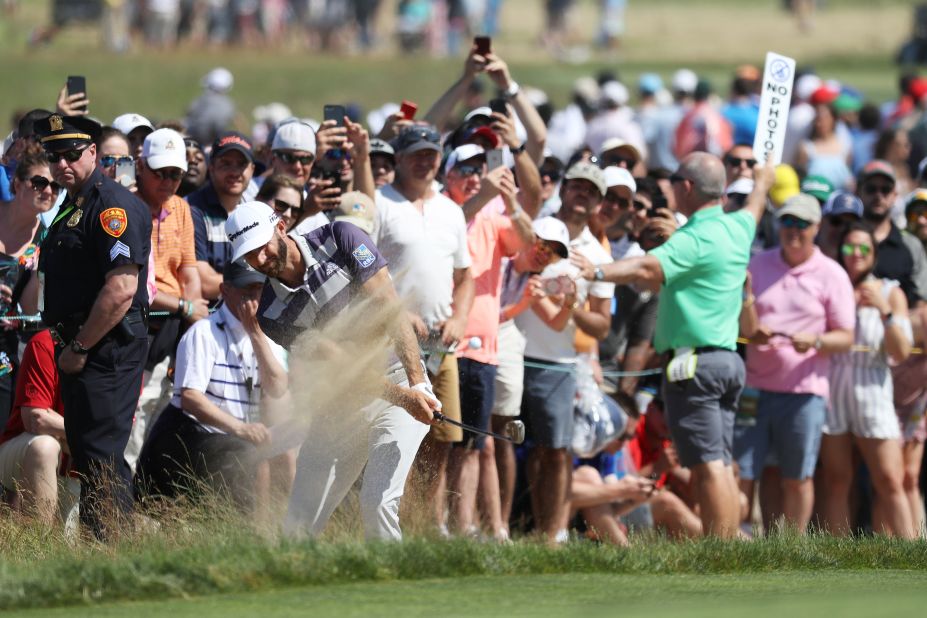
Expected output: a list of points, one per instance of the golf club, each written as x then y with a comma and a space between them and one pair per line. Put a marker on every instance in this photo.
514, 430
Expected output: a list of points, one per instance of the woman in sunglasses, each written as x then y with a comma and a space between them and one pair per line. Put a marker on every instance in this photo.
21, 231
285, 196
861, 412
113, 155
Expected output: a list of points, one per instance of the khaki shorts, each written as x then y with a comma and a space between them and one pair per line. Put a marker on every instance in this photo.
446, 386
510, 377
12, 453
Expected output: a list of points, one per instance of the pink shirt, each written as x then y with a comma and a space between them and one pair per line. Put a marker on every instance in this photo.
814, 297
490, 237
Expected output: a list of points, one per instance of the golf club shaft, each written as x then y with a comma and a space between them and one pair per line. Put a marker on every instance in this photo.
472, 429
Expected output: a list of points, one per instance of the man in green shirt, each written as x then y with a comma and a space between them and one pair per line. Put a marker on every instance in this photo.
700, 273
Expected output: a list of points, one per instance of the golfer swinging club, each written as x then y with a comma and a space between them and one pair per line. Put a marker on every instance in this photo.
311, 278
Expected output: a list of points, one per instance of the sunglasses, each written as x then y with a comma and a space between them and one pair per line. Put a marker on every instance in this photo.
883, 189
469, 170
282, 206
71, 156
174, 174
290, 158
39, 183
916, 214
111, 160
192, 143
737, 162
677, 178
790, 222
849, 249
544, 249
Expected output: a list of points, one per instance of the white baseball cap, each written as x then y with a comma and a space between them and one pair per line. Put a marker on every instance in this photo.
218, 80
164, 148
129, 122
684, 80
462, 153
619, 177
616, 92
479, 111
294, 135
250, 226
553, 230
806, 85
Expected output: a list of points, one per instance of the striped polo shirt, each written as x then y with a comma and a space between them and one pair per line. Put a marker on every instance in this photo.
212, 243
339, 258
215, 357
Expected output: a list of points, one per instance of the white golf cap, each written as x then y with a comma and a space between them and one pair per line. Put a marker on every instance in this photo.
250, 226
616, 92
553, 230
684, 80
479, 111
164, 148
129, 122
614, 143
462, 153
806, 85
619, 177
218, 80
741, 186
294, 135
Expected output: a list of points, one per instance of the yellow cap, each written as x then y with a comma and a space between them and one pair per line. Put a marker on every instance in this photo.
786, 184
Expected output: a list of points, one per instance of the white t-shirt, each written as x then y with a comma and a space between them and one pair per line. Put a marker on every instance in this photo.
215, 357
423, 248
544, 343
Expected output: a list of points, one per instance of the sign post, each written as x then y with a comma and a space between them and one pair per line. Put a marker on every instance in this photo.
778, 78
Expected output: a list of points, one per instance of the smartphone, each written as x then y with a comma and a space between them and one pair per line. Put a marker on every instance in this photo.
408, 109
483, 45
499, 106
77, 84
336, 113
656, 203
125, 173
555, 285
494, 159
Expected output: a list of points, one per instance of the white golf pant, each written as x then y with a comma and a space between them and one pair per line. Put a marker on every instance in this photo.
381, 436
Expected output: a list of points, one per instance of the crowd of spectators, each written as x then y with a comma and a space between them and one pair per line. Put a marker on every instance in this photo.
492, 216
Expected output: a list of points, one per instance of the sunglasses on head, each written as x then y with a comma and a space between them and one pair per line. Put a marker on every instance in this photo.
71, 156
789, 222
469, 170
111, 160
290, 158
849, 248
40, 182
883, 189
191, 143
737, 162
173, 174
282, 206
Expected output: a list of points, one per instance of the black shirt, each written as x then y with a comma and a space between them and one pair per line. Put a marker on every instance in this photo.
101, 227
894, 261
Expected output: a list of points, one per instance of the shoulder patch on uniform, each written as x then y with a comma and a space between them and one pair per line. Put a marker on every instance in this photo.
114, 221
364, 256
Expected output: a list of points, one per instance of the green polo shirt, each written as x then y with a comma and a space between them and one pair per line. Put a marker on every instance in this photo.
704, 265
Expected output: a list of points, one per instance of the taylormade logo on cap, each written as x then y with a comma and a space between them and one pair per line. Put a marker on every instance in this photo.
235, 235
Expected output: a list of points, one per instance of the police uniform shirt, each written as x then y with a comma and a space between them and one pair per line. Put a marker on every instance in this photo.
339, 258
103, 227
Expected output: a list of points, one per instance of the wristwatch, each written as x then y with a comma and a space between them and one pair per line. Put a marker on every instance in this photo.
512, 91
520, 149
78, 348
598, 274
818, 343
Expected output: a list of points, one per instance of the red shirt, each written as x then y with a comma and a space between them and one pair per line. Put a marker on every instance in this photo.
640, 450
36, 383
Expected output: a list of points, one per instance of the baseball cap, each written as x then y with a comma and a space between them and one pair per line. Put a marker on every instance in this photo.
616, 92
825, 95
479, 112
379, 146
421, 137
842, 203
802, 206
294, 135
649, 83
684, 80
786, 184
876, 167
129, 122
164, 148
232, 140
918, 89
587, 171
818, 187
619, 177
614, 143
806, 85
241, 276
484, 131
357, 208
25, 126
462, 153
555, 231
847, 103
741, 186
918, 196
250, 226
218, 80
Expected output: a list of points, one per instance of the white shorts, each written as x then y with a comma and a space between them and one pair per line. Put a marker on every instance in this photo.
878, 422
510, 377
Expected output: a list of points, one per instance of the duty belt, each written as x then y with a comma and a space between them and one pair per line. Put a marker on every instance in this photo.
64, 332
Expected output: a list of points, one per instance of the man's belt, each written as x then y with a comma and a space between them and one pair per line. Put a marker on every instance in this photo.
64, 332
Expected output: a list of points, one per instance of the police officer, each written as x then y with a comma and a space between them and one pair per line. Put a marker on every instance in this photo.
92, 293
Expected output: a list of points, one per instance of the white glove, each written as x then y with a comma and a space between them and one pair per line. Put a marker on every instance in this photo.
425, 387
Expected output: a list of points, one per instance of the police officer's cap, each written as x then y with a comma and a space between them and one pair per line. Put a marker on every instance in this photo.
59, 132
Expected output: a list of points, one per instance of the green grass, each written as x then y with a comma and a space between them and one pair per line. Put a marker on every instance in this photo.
852, 594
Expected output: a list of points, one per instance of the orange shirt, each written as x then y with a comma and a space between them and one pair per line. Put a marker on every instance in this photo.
172, 244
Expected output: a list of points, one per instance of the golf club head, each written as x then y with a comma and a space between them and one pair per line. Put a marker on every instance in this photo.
516, 431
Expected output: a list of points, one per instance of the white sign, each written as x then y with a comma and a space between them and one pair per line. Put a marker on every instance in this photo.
778, 78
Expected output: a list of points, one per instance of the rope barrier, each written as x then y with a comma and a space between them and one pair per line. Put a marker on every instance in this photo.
610, 374
853, 348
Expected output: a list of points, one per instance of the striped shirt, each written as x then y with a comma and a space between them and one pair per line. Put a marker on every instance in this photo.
172, 244
215, 357
339, 258
212, 243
